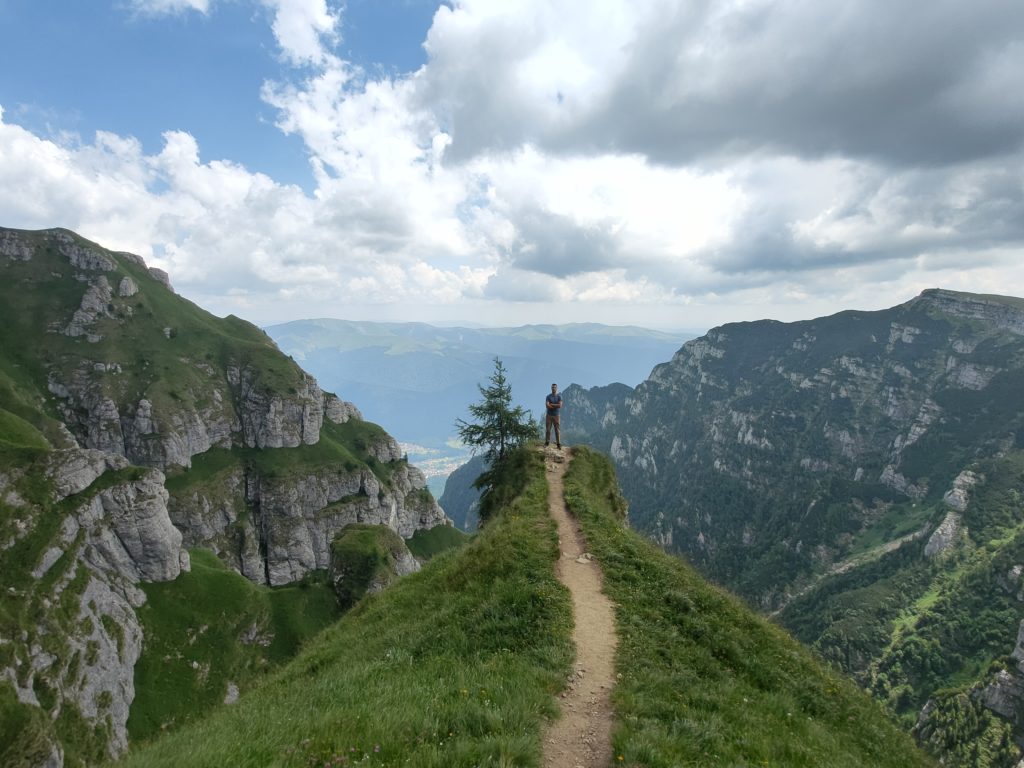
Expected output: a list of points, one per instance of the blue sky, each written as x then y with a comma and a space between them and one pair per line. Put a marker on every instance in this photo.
669, 163
98, 65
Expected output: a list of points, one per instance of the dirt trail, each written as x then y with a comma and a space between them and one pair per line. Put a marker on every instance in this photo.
582, 737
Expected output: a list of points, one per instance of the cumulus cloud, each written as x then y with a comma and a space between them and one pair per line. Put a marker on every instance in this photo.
304, 29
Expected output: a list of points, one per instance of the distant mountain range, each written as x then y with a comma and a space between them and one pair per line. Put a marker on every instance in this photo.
416, 379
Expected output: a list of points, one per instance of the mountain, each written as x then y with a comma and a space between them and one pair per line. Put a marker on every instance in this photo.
460, 500
416, 379
462, 663
134, 426
861, 474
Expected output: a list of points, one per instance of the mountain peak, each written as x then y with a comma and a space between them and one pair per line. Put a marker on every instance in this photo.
1004, 312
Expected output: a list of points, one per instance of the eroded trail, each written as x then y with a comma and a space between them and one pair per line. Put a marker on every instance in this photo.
582, 737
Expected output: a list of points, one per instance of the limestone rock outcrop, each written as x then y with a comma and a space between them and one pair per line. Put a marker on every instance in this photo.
110, 531
275, 530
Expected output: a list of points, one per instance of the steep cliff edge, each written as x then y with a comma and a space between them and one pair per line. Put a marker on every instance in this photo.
133, 424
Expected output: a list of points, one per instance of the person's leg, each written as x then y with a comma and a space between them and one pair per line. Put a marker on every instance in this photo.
558, 430
547, 430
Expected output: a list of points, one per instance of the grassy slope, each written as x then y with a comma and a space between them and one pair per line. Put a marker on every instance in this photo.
705, 681
456, 665
193, 627
426, 544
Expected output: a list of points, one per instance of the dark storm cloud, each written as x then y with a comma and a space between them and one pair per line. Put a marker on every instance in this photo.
894, 82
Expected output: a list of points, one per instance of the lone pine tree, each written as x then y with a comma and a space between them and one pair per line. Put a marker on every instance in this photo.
498, 427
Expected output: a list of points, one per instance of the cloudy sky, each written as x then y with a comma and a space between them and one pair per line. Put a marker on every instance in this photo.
670, 164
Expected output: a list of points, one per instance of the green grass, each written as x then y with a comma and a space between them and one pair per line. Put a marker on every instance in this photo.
457, 665
362, 555
19, 433
899, 520
23, 732
426, 544
192, 628
706, 682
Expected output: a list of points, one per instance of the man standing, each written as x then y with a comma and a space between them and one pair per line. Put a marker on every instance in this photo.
553, 403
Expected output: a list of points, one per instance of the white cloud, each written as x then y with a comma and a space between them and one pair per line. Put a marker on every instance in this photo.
704, 157
161, 7
302, 27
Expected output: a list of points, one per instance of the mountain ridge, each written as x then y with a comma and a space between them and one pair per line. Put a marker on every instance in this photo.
791, 460
386, 687
136, 425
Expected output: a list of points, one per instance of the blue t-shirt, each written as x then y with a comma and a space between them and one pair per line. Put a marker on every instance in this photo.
556, 401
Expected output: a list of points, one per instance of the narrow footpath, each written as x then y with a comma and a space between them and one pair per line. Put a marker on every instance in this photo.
582, 737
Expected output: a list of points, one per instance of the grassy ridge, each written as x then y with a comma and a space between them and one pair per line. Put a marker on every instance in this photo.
705, 681
456, 665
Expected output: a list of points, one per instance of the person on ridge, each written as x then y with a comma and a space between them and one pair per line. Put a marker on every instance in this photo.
553, 405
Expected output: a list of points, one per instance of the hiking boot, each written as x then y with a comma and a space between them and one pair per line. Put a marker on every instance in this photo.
558, 446
547, 443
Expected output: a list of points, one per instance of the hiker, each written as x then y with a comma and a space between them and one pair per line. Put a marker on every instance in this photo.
553, 405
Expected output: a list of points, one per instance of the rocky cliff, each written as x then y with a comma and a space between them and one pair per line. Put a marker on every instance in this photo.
795, 438
855, 472
81, 530
134, 425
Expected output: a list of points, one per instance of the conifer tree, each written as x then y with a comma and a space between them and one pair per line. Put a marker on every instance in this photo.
497, 426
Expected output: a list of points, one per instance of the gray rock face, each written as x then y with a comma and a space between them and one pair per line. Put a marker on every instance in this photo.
13, 246
81, 256
974, 307
1018, 649
1004, 694
339, 411
944, 536
94, 305
783, 421
72, 471
957, 496
270, 420
276, 530
114, 531
161, 277
127, 288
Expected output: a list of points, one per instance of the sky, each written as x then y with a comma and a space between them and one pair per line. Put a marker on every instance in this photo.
676, 165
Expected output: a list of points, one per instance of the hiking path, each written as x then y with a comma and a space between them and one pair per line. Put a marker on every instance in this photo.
582, 737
